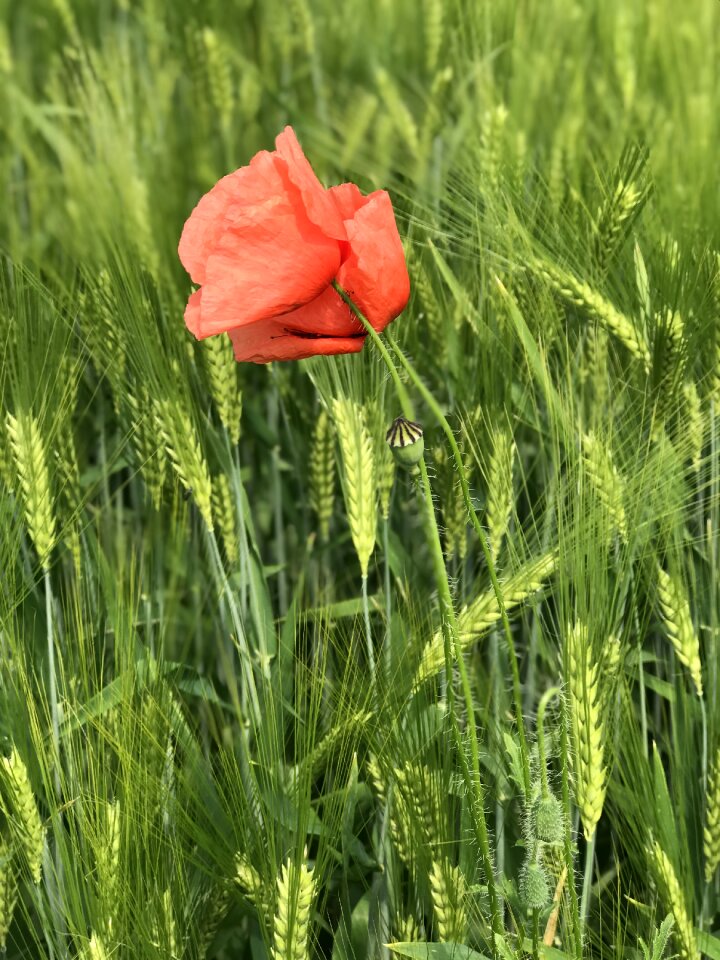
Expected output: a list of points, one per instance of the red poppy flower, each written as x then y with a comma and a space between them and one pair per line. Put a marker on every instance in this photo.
265, 245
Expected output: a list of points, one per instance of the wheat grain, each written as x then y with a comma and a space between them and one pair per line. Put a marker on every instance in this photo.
587, 728
186, 456
448, 890
32, 469
675, 610
222, 371
684, 931
483, 613
500, 489
21, 810
8, 889
711, 832
295, 894
606, 480
360, 482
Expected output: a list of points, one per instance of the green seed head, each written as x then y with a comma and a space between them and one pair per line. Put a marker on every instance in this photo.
405, 438
534, 887
549, 820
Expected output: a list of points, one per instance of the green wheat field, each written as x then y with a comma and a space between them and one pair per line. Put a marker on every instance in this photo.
251, 708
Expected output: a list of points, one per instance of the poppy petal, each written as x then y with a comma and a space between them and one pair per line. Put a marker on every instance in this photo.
319, 205
267, 259
374, 272
272, 340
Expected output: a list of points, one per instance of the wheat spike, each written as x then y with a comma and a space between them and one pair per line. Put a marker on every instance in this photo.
408, 930
295, 893
675, 610
613, 218
94, 949
224, 512
711, 833
433, 24
483, 613
433, 314
668, 363
692, 432
219, 78
448, 889
587, 728
31, 465
684, 931
151, 454
185, 453
107, 856
400, 827
398, 112
360, 483
21, 810
492, 150
8, 889
322, 473
500, 489
222, 371
606, 480
582, 295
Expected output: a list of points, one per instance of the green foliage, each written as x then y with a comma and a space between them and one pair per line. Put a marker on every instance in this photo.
215, 739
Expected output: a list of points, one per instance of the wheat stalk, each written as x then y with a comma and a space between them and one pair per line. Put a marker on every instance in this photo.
500, 489
483, 613
359, 487
582, 295
448, 890
32, 469
222, 371
675, 902
8, 889
587, 728
295, 894
185, 453
675, 610
606, 480
21, 810
711, 832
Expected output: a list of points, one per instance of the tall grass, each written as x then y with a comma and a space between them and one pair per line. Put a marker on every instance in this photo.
230, 721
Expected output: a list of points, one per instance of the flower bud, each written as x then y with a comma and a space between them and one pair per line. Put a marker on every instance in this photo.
534, 887
549, 819
405, 438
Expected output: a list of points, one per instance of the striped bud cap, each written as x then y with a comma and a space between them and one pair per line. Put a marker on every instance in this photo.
405, 438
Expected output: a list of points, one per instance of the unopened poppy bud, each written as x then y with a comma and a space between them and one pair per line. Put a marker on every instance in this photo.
405, 438
549, 819
534, 887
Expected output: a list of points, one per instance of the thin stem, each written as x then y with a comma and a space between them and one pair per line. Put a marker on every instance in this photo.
515, 669
587, 879
368, 630
403, 396
451, 637
542, 759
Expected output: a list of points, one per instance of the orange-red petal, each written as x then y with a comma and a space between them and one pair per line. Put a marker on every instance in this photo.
252, 245
374, 272
272, 340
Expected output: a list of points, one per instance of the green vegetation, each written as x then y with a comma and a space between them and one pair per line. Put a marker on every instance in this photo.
244, 710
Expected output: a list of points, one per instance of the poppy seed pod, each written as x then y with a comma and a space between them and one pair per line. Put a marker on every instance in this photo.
549, 820
405, 438
534, 887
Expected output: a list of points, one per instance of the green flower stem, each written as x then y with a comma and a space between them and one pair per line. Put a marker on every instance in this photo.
517, 688
451, 636
542, 760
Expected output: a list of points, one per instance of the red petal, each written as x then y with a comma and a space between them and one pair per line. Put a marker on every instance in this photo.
267, 258
374, 273
271, 340
318, 203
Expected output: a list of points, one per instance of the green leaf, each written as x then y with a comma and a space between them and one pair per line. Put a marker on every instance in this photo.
436, 951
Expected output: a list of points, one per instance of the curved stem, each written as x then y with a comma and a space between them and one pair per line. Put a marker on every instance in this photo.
514, 666
544, 700
451, 637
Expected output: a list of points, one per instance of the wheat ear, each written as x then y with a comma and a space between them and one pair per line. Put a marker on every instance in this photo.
359, 487
606, 481
22, 812
675, 902
500, 489
587, 728
448, 889
675, 610
295, 894
711, 833
185, 453
322, 473
8, 889
31, 464
222, 370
